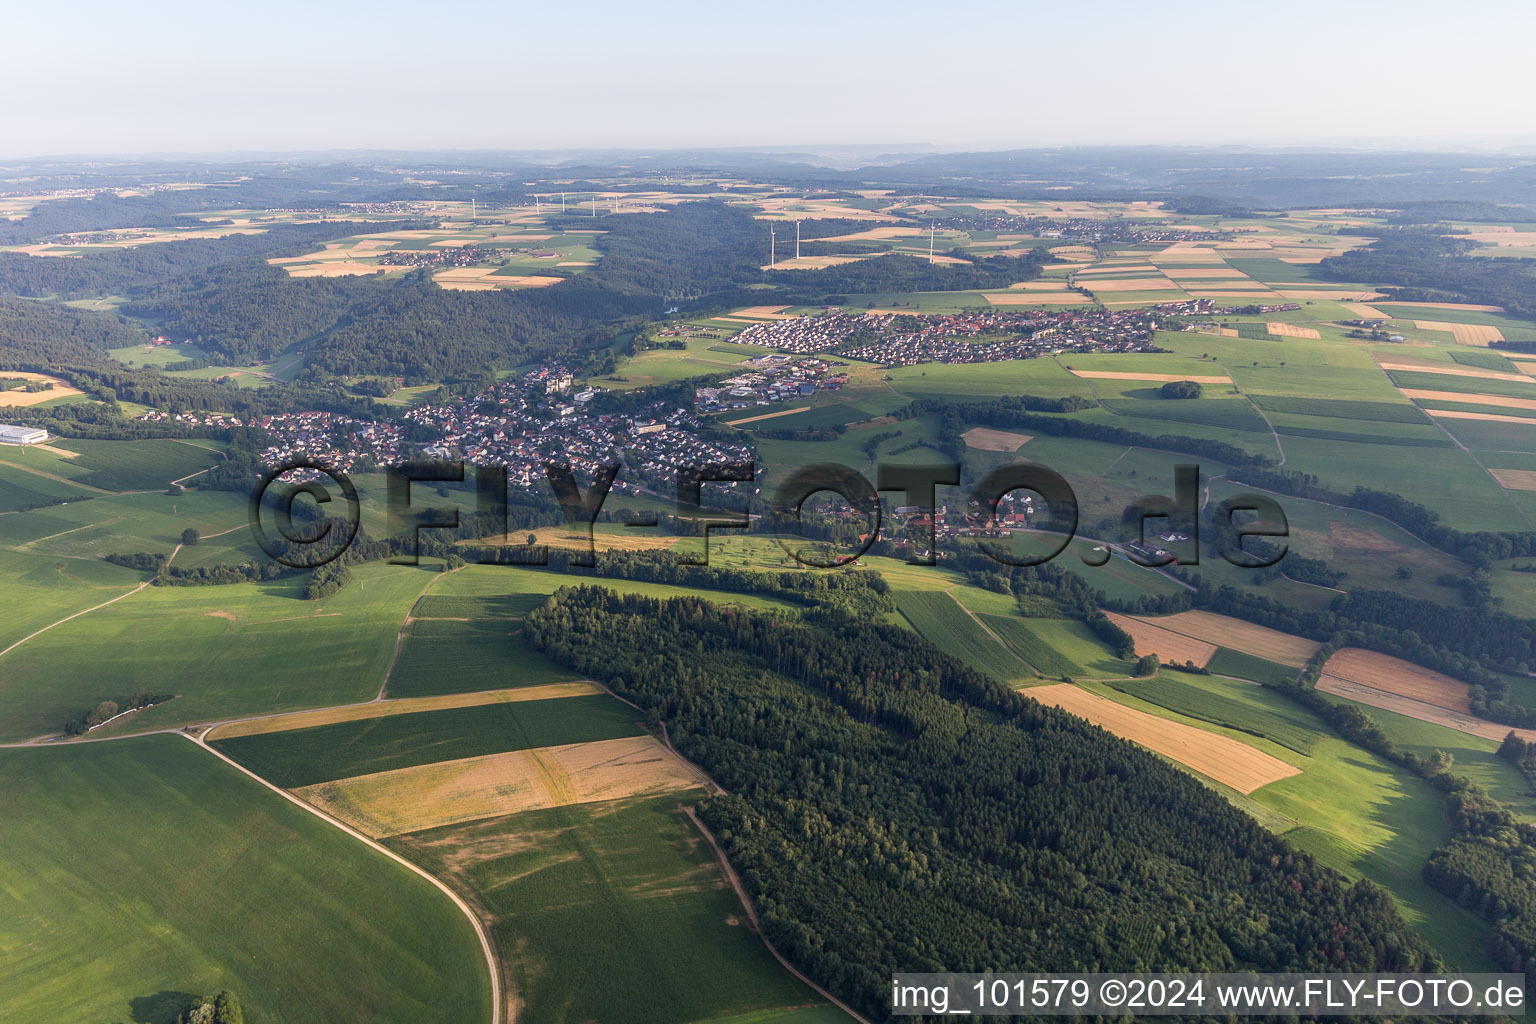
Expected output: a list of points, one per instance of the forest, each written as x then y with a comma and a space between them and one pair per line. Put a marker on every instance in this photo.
1425, 265
891, 809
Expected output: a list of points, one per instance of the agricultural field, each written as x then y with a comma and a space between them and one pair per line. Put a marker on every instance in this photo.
1242, 767
1353, 811
450, 792
302, 757
1191, 696
1238, 635
208, 891
293, 654
603, 901
954, 630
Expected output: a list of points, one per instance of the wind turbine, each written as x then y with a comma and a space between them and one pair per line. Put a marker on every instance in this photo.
930, 242
772, 258
797, 239
594, 204
562, 202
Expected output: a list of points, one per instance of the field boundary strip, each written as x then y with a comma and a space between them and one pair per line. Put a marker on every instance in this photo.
290, 720
1230, 762
486, 946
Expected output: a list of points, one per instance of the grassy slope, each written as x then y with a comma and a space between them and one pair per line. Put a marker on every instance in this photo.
225, 650
617, 913
218, 883
302, 757
1355, 813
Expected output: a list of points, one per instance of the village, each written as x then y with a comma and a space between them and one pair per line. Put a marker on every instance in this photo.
971, 337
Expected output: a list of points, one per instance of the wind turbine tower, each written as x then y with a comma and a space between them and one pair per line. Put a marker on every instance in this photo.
772, 258
930, 242
797, 239
562, 202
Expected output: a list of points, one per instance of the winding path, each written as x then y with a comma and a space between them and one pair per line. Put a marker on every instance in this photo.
485, 938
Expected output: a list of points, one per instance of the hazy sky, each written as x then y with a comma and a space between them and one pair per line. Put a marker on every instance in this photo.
94, 77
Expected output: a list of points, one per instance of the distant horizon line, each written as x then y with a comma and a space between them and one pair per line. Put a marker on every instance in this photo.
1511, 146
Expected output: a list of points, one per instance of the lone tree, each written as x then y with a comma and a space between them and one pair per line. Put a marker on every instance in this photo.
190, 536
1181, 389
1147, 665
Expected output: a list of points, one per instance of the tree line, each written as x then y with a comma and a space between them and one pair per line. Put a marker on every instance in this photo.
892, 809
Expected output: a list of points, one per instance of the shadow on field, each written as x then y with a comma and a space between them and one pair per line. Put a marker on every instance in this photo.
160, 1008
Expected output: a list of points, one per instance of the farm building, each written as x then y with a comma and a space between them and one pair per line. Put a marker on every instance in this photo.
21, 435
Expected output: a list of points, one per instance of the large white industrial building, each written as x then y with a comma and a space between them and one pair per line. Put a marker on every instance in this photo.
21, 435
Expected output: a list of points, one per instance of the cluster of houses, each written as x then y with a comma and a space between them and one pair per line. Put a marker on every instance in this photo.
192, 419
775, 378
458, 256
987, 337
1206, 307
803, 335
1084, 229
525, 424
331, 439
521, 424
972, 337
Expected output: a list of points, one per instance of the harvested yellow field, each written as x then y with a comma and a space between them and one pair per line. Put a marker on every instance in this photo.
1331, 294
1115, 269
1516, 479
1529, 369
1446, 369
1470, 306
1460, 721
875, 235
1170, 647
403, 706
1456, 396
19, 398
489, 282
1292, 331
1039, 286
1159, 283
1364, 312
988, 440
1403, 678
1159, 377
763, 311
1224, 631
611, 538
812, 262
1487, 417
1204, 272
342, 268
448, 792
1234, 293
463, 274
767, 416
1023, 298
1465, 334
1222, 758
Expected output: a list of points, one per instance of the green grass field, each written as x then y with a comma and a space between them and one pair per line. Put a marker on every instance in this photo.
116, 465
1351, 810
1227, 662
614, 912
1288, 726
302, 757
226, 651
142, 872
949, 627
1022, 641
459, 657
